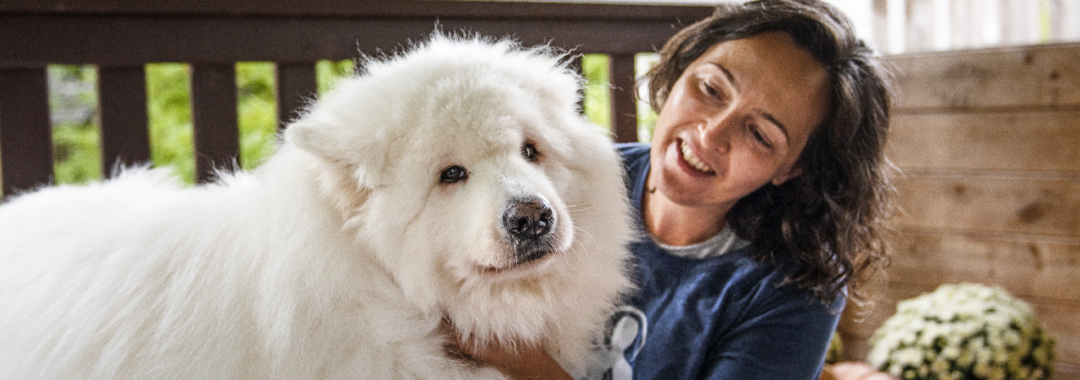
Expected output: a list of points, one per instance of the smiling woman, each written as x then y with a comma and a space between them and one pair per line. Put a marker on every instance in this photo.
761, 199
764, 194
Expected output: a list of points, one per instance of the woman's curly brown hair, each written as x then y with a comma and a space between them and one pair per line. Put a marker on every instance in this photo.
832, 218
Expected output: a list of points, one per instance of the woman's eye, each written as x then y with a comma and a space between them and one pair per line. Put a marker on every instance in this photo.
453, 174
759, 137
529, 152
710, 90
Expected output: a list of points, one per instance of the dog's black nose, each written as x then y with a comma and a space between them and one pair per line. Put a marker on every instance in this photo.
528, 218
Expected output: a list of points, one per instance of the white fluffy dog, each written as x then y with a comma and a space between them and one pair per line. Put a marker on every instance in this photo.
456, 182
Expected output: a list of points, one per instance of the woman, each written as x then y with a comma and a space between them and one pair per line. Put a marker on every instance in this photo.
761, 198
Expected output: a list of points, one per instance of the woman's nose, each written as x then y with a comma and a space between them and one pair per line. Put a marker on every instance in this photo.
715, 131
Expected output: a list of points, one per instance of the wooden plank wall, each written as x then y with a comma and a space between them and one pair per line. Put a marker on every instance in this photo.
989, 145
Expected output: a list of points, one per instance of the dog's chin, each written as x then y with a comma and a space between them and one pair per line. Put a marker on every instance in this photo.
530, 265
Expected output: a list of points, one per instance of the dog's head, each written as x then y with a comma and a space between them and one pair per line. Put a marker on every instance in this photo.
466, 166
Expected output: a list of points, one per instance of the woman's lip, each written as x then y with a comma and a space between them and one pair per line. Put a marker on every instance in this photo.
687, 165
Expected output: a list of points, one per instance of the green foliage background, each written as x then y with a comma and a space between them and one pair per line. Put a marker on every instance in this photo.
76, 141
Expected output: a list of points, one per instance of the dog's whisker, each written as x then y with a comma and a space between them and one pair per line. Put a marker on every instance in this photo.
581, 207
586, 233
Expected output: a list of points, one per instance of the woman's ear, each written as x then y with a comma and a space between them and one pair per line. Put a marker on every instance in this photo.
779, 179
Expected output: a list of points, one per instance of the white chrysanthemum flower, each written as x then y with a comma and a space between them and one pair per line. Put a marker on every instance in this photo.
909, 356
1012, 338
997, 373
1042, 355
896, 370
982, 370
941, 367
966, 359
951, 352
963, 331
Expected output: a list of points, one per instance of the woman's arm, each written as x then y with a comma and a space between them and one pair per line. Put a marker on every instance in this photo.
519, 362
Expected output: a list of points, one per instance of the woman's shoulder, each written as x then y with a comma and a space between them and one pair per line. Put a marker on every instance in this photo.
769, 280
732, 272
633, 151
636, 163
733, 275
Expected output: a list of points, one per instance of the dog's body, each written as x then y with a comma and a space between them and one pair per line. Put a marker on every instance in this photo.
454, 183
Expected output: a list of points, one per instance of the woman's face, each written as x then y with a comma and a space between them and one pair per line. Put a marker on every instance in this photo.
737, 118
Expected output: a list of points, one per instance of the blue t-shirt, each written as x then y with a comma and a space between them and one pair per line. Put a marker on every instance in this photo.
720, 317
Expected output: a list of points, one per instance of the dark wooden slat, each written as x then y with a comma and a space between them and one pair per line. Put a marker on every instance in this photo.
112, 40
125, 137
296, 85
213, 114
25, 131
623, 98
575, 64
362, 8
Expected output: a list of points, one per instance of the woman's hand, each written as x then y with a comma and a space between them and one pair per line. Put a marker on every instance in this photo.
853, 371
518, 361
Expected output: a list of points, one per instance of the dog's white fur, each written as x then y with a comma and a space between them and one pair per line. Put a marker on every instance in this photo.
343, 254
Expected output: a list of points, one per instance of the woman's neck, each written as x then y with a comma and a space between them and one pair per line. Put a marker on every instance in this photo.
679, 225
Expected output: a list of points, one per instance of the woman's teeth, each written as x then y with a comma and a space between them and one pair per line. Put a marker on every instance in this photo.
688, 155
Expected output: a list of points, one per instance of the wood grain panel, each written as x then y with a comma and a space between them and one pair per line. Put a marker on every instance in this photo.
1018, 141
991, 203
1027, 77
1062, 321
1066, 370
1026, 266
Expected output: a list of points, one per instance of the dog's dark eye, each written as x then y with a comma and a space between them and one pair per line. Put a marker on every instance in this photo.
529, 152
453, 174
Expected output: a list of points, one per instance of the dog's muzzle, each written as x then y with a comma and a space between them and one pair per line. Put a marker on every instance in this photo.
529, 223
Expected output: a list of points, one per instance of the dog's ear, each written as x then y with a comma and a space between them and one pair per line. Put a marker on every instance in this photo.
310, 138
336, 142
344, 178
348, 148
